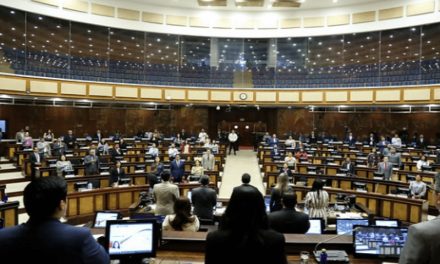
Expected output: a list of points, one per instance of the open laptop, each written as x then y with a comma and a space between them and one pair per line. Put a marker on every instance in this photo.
101, 218
316, 226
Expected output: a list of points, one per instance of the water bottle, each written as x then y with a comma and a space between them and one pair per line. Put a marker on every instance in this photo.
323, 257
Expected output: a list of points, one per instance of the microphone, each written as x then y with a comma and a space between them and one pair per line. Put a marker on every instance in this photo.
337, 252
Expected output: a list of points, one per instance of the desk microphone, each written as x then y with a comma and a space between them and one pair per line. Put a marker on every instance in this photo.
334, 255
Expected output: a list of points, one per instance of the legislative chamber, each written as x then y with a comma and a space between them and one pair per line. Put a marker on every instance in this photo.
142, 106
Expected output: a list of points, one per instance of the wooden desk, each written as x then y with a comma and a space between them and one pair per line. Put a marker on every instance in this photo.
9, 212
390, 206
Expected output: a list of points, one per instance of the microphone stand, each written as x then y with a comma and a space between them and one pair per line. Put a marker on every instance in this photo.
316, 253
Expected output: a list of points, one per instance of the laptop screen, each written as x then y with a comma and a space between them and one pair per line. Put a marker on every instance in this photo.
102, 217
387, 222
131, 237
316, 226
376, 241
345, 226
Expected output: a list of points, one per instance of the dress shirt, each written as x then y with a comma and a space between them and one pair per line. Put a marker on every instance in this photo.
417, 188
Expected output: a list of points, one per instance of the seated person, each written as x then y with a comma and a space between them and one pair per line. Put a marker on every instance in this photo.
290, 142
197, 169
43, 238
172, 151
290, 160
286, 170
116, 152
288, 220
153, 151
348, 166
63, 165
417, 188
181, 220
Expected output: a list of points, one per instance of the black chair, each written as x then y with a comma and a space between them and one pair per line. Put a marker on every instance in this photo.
378, 175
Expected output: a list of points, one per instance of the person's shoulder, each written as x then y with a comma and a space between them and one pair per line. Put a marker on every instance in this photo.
272, 235
10, 232
428, 227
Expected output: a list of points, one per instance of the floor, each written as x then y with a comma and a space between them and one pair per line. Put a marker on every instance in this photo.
244, 162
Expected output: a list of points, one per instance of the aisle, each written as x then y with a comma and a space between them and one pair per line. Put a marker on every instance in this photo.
235, 166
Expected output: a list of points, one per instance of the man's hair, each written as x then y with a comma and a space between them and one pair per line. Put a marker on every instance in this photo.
246, 178
43, 195
165, 175
204, 180
289, 200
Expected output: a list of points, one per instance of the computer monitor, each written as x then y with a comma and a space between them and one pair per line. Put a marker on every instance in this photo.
378, 175
267, 202
379, 241
139, 167
345, 225
387, 222
316, 226
193, 178
131, 240
124, 181
80, 185
189, 195
427, 168
403, 191
101, 218
359, 186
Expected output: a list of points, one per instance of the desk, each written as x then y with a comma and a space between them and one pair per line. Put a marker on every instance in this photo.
9, 212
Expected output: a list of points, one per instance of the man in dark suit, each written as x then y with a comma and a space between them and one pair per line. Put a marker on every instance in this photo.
116, 152
350, 140
177, 168
348, 166
204, 199
288, 220
116, 174
35, 159
43, 238
69, 140
98, 136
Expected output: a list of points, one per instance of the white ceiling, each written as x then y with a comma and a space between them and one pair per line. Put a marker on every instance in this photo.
306, 5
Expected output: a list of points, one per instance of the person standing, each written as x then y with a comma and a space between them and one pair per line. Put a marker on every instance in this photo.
43, 238
204, 199
116, 174
417, 188
177, 168
422, 245
208, 160
243, 235
165, 194
91, 163
280, 188
317, 200
35, 160
386, 168
288, 220
232, 137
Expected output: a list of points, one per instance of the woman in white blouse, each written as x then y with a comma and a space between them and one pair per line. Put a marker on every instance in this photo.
317, 201
182, 219
290, 160
197, 169
63, 165
290, 142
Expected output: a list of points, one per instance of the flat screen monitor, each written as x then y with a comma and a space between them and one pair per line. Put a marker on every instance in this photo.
101, 218
130, 240
345, 226
124, 181
193, 178
379, 241
316, 226
3, 126
267, 202
386, 222
189, 195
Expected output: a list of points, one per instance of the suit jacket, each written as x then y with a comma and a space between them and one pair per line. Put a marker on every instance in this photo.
288, 172
273, 141
69, 141
165, 194
387, 172
422, 245
350, 167
91, 165
50, 242
115, 176
33, 159
208, 163
221, 247
177, 170
289, 221
204, 199
116, 153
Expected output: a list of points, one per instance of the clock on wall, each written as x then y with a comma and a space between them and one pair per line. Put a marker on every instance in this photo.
243, 96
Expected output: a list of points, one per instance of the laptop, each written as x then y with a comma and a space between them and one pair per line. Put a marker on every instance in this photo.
379, 241
345, 225
316, 226
101, 218
387, 222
